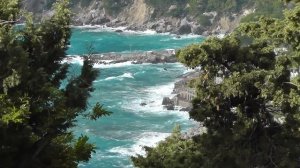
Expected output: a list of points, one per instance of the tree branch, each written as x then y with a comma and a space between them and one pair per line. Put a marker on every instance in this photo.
2, 22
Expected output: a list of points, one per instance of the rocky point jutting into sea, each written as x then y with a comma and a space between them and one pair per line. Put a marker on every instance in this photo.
154, 57
97, 83
122, 87
184, 94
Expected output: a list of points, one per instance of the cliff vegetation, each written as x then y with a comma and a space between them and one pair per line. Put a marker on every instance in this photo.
177, 16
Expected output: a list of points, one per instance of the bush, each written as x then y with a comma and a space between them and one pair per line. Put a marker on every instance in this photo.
204, 20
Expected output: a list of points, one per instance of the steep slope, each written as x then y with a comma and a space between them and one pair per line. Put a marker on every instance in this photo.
177, 16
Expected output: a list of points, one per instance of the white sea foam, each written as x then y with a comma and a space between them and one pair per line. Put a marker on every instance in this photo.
75, 59
123, 64
153, 97
121, 77
79, 60
187, 36
89, 26
149, 139
165, 40
104, 28
140, 72
124, 29
146, 32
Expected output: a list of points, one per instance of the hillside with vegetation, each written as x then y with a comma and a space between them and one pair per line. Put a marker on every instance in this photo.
177, 16
251, 118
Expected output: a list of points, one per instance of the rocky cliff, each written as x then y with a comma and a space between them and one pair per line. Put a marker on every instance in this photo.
179, 17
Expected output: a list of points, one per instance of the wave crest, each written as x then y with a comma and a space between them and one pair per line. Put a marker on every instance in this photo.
149, 139
121, 77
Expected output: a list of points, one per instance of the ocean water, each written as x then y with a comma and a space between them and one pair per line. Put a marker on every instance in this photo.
121, 88
84, 41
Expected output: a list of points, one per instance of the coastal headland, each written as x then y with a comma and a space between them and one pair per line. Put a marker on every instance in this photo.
183, 93
139, 57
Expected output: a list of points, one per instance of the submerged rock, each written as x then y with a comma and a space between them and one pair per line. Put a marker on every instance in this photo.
143, 104
119, 31
168, 103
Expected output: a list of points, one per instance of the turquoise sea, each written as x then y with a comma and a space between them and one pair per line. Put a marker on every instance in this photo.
121, 88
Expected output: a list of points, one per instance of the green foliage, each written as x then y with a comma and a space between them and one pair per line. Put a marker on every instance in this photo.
99, 111
83, 148
177, 12
174, 152
268, 8
36, 114
204, 20
252, 115
163, 4
11, 113
9, 9
226, 5
114, 7
197, 7
11, 81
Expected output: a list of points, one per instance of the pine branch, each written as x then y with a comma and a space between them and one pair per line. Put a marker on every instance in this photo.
2, 22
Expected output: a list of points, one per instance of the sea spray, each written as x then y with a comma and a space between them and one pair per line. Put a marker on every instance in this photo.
131, 126
83, 40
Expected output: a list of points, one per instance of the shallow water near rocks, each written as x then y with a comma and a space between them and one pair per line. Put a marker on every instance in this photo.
122, 88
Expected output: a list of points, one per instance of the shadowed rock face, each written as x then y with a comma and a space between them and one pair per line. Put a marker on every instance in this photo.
168, 103
138, 15
154, 57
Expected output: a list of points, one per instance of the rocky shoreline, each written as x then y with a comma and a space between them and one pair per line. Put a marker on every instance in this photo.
178, 26
153, 57
184, 94
198, 129
138, 15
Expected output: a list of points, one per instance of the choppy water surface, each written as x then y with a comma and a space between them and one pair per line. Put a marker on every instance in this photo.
121, 88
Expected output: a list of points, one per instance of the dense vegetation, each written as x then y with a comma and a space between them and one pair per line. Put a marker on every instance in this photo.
200, 6
192, 7
252, 116
196, 8
36, 111
270, 8
114, 7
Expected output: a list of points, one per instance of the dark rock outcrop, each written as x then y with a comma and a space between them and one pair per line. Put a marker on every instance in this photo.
143, 104
154, 57
168, 103
170, 107
186, 109
185, 27
198, 29
119, 31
